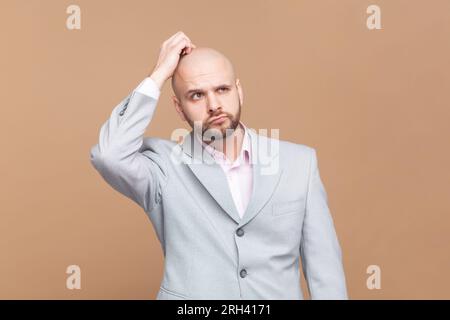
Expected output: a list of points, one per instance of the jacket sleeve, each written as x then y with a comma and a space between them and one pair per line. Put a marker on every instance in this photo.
138, 174
320, 250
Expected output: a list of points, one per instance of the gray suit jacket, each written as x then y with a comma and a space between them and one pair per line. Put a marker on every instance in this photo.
210, 252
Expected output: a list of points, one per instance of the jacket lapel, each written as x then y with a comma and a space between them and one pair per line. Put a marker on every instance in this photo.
265, 176
212, 177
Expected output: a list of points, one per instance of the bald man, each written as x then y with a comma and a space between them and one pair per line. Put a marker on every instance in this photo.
235, 211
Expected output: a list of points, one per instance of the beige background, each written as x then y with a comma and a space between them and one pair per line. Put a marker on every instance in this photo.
375, 105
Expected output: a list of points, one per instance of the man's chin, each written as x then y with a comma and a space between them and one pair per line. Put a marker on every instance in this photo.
218, 131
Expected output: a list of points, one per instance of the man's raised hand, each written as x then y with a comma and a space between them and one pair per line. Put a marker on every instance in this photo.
169, 55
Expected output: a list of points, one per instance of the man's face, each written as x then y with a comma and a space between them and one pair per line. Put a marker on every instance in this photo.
206, 89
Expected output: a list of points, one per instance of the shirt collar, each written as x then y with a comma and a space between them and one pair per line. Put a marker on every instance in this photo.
245, 154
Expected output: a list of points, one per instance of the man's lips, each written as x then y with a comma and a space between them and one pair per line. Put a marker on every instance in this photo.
217, 118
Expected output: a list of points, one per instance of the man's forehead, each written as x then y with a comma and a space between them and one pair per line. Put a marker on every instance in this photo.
205, 80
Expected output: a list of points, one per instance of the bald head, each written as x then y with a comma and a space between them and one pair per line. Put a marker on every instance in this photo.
200, 64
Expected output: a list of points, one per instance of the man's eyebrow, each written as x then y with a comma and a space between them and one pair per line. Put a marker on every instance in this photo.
201, 90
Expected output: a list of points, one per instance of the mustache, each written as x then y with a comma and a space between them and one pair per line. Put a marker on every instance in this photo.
214, 117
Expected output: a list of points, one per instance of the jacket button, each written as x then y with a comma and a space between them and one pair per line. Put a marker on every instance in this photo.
243, 273
240, 232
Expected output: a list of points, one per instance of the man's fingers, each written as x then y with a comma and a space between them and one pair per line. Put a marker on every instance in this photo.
170, 50
176, 37
189, 49
183, 46
180, 43
193, 46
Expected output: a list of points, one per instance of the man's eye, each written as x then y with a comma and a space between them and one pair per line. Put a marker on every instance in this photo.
223, 89
195, 94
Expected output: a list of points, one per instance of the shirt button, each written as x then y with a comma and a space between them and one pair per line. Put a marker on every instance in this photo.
243, 273
121, 113
240, 232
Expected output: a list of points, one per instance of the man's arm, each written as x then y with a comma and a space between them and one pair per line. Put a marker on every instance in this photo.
117, 156
320, 250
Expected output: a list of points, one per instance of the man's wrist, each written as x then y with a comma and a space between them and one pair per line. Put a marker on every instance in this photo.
158, 79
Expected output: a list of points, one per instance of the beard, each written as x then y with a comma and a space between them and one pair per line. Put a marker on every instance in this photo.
212, 132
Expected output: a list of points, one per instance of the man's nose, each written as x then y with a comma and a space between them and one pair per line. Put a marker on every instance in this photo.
213, 103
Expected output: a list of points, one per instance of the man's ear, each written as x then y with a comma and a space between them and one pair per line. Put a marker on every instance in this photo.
240, 91
177, 105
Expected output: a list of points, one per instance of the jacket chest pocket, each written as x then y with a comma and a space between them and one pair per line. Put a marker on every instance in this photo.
282, 208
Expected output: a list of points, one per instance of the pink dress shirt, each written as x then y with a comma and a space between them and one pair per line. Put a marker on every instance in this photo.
239, 173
